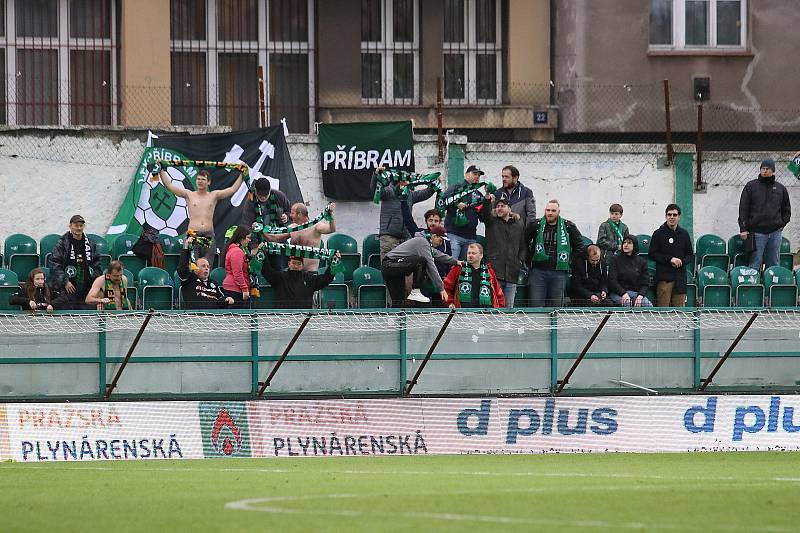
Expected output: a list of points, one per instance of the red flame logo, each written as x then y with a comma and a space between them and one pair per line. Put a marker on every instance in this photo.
225, 420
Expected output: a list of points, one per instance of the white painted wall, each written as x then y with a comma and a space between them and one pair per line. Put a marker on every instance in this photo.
90, 175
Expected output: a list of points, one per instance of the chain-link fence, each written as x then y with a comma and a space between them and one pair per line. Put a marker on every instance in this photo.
729, 138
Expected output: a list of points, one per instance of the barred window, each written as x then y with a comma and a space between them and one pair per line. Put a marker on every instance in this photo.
217, 50
390, 51
59, 62
693, 24
473, 51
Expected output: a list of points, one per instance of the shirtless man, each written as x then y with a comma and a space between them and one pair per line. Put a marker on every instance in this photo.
201, 204
310, 236
109, 291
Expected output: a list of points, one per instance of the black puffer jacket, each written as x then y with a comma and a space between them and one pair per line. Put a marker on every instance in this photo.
764, 206
628, 272
59, 260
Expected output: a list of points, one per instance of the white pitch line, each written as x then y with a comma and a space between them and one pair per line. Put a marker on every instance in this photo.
251, 504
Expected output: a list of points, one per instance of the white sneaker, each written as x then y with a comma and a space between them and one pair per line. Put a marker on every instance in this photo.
416, 296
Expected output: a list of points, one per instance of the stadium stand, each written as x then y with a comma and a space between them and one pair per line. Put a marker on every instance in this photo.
746, 286
711, 250
780, 287
713, 287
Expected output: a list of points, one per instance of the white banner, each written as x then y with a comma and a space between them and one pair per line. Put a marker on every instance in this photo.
101, 431
425, 426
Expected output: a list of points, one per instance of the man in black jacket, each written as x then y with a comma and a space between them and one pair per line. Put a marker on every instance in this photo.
764, 210
671, 249
505, 247
589, 283
74, 264
461, 220
197, 289
295, 287
553, 243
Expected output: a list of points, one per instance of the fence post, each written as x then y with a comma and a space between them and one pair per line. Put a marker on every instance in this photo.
670, 153
439, 117
262, 99
698, 184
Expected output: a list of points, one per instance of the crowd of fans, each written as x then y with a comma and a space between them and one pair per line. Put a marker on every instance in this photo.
440, 264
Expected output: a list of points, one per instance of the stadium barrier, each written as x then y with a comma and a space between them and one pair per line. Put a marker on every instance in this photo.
356, 353
54, 432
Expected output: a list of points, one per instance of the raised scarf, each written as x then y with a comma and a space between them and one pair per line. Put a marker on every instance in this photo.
278, 230
563, 247
465, 285
271, 216
458, 196
306, 252
392, 177
108, 289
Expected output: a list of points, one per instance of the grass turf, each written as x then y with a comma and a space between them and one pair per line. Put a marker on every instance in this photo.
585, 492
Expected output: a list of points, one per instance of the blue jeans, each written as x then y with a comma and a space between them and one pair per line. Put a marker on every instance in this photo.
617, 299
509, 290
459, 245
546, 287
768, 246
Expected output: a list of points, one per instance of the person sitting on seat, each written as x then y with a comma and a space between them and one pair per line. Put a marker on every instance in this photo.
295, 287
110, 292
628, 279
589, 281
35, 296
197, 289
474, 284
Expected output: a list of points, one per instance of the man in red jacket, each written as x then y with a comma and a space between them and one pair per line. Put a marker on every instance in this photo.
474, 284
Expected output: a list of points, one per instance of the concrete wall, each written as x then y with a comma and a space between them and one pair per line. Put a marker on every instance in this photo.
89, 173
605, 45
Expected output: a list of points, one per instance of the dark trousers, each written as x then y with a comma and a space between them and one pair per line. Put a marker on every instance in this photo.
394, 275
74, 301
238, 301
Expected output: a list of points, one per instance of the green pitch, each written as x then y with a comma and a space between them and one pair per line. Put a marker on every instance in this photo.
591, 492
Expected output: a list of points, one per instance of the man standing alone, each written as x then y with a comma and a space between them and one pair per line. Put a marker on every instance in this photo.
671, 249
764, 210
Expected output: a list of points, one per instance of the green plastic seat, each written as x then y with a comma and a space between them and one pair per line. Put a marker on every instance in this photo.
218, 275
521, 298
711, 251
21, 254
644, 243
586, 240
46, 245
369, 288
713, 287
780, 287
348, 248
736, 253
103, 250
785, 256
691, 289
370, 247
155, 285
170, 244
9, 285
746, 287
481, 239
123, 243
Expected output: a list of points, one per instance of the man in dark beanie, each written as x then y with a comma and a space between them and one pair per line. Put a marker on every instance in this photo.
764, 210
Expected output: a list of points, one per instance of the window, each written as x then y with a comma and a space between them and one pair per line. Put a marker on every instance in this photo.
390, 51
220, 46
58, 62
473, 51
697, 24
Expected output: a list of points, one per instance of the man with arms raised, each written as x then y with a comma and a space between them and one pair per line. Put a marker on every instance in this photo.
310, 236
201, 204
109, 292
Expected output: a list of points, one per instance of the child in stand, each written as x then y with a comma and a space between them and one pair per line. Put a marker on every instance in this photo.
36, 294
611, 233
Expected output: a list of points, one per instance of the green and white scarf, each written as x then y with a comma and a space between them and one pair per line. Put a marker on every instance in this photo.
466, 189
465, 285
163, 163
306, 252
271, 216
794, 166
563, 248
278, 230
617, 227
392, 177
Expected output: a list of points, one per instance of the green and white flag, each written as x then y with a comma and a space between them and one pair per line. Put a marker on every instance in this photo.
263, 150
794, 166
